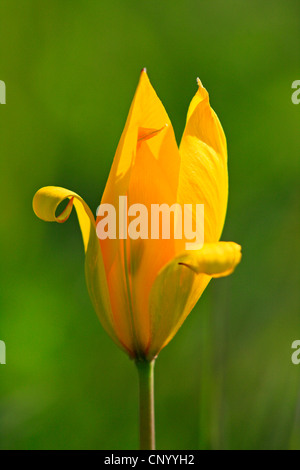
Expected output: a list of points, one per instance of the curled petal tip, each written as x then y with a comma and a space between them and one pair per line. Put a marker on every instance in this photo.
214, 259
144, 70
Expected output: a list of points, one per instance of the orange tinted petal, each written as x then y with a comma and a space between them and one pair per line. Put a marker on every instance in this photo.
147, 152
148, 185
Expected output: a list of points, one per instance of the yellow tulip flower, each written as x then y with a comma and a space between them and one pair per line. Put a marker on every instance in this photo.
143, 289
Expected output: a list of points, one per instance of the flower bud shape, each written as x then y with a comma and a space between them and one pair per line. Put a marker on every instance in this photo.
142, 287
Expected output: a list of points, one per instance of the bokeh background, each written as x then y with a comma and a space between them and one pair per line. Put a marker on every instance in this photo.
226, 381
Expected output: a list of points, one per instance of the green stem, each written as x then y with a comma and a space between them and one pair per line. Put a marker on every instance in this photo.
146, 393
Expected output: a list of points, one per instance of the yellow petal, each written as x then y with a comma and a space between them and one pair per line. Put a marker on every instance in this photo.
173, 295
215, 259
45, 204
147, 120
203, 177
148, 186
148, 135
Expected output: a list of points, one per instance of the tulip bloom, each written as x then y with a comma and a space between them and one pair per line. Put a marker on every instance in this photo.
143, 290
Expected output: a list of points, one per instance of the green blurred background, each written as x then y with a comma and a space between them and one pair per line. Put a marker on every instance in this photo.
71, 67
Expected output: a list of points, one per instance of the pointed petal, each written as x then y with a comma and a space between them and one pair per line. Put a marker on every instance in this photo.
45, 204
147, 116
203, 175
148, 135
173, 293
147, 120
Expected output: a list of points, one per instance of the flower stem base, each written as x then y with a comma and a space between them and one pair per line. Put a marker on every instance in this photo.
146, 404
